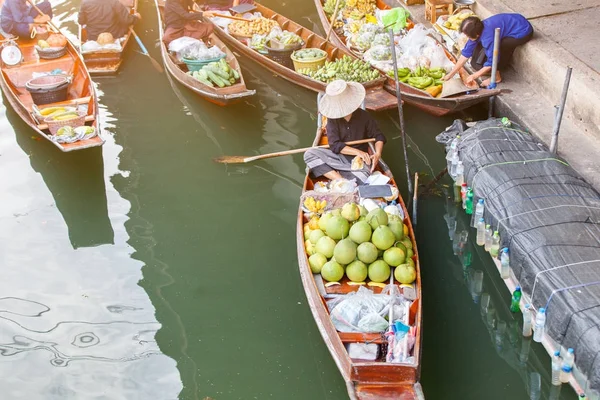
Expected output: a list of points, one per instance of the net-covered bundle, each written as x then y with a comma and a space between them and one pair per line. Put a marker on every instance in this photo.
549, 218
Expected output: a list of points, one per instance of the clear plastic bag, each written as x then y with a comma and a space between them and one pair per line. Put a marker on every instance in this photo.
370, 28
362, 41
378, 53
258, 42
200, 52
381, 39
181, 43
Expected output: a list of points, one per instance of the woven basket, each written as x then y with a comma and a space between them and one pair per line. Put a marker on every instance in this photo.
313, 65
51, 52
54, 126
283, 57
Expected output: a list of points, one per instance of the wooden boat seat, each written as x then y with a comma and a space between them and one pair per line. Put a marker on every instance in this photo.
356, 337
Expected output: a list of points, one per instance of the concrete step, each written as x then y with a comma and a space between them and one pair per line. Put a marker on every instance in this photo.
564, 36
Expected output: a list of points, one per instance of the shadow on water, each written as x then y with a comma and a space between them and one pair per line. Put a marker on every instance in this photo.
76, 181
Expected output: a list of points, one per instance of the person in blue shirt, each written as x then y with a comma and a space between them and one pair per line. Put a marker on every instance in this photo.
515, 30
19, 18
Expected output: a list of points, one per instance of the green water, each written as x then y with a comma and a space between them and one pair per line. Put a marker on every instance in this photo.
143, 270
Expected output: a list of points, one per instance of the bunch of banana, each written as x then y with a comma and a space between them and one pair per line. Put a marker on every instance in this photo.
315, 206
343, 68
329, 6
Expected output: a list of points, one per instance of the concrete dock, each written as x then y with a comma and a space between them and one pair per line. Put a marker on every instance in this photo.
566, 34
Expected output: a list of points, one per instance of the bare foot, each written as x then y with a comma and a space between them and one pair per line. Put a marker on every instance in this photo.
487, 82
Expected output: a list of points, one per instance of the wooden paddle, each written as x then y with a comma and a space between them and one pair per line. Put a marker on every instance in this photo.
231, 17
155, 63
36, 8
333, 18
246, 159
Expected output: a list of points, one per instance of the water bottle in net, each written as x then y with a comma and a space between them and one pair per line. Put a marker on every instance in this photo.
556, 366
495, 247
504, 264
527, 331
567, 366
480, 232
488, 237
540, 325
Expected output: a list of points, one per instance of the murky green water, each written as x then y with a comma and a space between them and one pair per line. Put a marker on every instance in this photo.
143, 270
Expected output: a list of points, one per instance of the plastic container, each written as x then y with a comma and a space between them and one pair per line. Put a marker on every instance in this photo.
515, 303
480, 232
556, 363
567, 366
463, 195
540, 324
527, 331
196, 65
469, 202
479, 208
495, 247
504, 264
488, 237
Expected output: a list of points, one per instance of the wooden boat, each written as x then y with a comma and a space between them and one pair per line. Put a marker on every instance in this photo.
365, 380
81, 91
377, 98
221, 96
106, 62
416, 97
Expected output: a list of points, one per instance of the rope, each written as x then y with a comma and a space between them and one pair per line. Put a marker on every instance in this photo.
568, 288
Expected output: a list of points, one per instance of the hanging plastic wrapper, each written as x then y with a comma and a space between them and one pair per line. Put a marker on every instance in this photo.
397, 16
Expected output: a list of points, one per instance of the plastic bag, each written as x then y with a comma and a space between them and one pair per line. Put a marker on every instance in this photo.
181, 43
415, 40
382, 39
362, 41
370, 28
343, 186
372, 323
438, 58
258, 42
397, 16
378, 53
90, 46
334, 200
347, 314
200, 52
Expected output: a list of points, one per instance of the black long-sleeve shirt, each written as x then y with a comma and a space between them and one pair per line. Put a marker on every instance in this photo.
177, 13
105, 16
360, 126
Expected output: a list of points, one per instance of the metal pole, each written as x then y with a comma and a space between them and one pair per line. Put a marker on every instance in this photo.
400, 113
559, 112
494, 70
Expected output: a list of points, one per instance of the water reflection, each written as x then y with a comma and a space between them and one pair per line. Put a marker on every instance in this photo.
76, 181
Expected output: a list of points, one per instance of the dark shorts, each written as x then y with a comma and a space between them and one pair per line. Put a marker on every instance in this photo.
507, 48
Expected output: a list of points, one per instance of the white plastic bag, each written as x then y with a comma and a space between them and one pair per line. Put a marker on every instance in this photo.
181, 43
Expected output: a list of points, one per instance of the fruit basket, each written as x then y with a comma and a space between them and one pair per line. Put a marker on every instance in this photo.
70, 118
311, 61
48, 89
51, 53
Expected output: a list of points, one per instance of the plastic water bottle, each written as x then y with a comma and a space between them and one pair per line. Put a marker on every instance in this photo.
488, 237
469, 205
480, 232
479, 209
504, 264
515, 303
463, 195
556, 365
495, 246
540, 324
453, 147
567, 366
527, 320
454, 165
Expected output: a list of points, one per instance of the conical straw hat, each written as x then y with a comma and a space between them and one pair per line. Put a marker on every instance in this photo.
341, 98
454, 86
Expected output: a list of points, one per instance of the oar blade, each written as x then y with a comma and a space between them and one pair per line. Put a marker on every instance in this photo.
230, 159
156, 65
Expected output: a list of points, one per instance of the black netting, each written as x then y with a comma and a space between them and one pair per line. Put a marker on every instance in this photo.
549, 218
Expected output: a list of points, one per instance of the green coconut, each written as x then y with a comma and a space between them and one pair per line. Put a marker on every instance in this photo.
315, 235
367, 252
377, 217
379, 271
383, 237
325, 246
345, 251
360, 232
337, 227
357, 271
405, 273
332, 271
394, 256
351, 212
316, 262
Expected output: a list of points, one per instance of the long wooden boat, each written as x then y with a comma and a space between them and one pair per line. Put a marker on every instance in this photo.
377, 380
221, 96
107, 62
416, 97
377, 98
81, 91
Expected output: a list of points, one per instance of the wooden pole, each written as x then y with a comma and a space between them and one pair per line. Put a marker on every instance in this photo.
333, 18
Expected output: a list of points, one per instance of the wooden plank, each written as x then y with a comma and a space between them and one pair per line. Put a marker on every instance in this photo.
382, 373
357, 337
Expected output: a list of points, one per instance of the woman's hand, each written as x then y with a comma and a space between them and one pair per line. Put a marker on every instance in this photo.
448, 77
470, 78
375, 160
365, 156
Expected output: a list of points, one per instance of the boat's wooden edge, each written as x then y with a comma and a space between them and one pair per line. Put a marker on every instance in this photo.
385, 100
221, 96
365, 380
91, 100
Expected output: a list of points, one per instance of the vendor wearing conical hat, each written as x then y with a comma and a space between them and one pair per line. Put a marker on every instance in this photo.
346, 122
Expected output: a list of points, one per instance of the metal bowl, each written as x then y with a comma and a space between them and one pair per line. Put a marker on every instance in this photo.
464, 2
